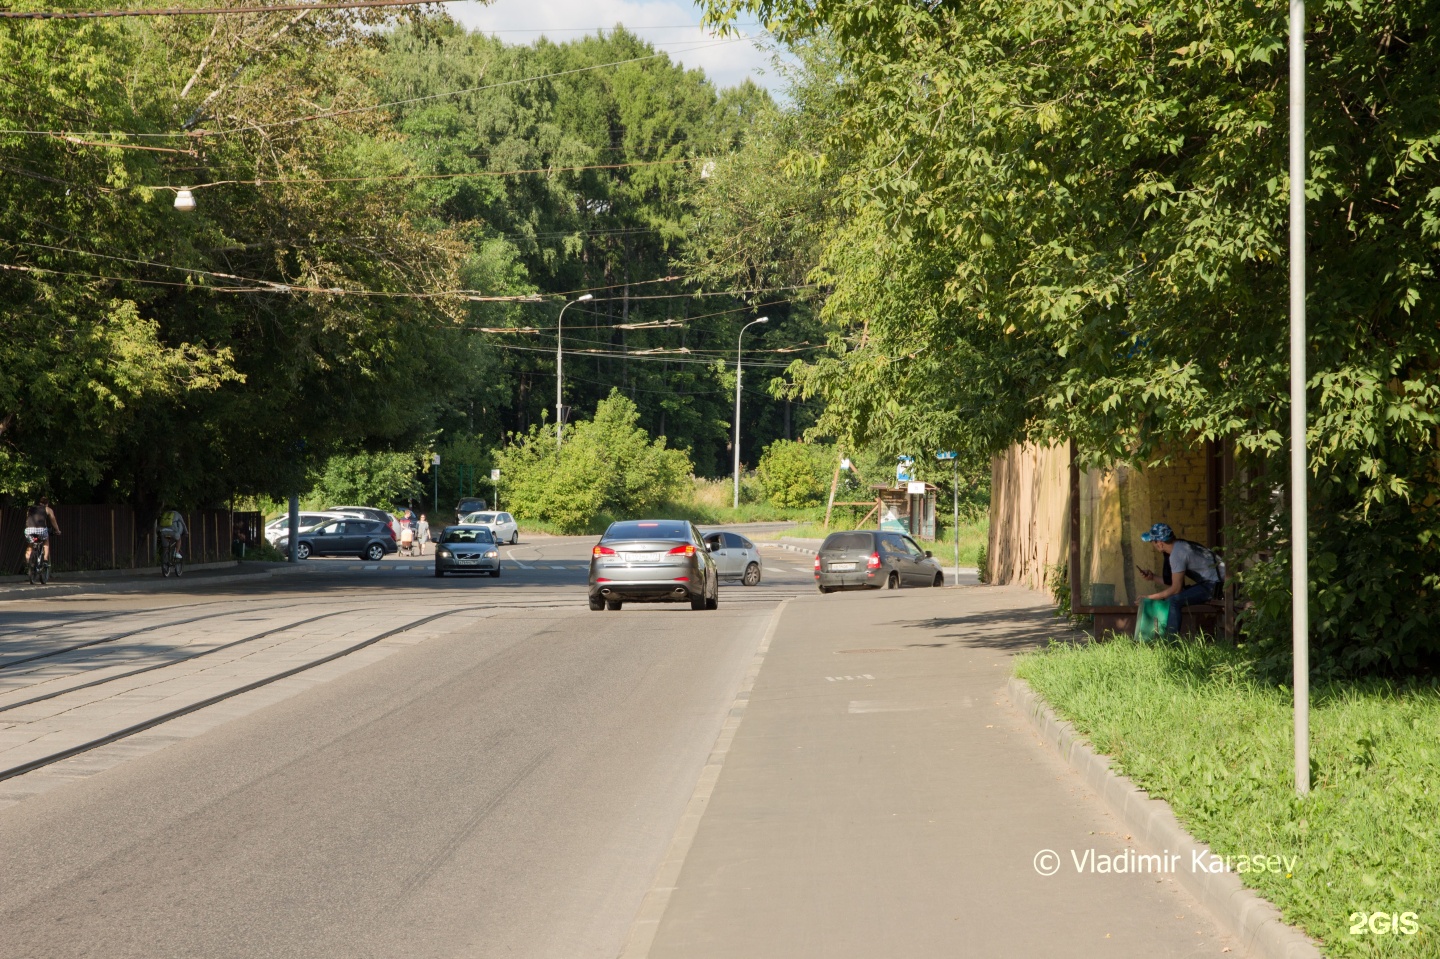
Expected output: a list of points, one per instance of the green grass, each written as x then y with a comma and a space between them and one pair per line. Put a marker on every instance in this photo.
973, 535
1191, 725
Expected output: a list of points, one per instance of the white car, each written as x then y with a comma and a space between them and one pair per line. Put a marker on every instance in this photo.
279, 528
501, 525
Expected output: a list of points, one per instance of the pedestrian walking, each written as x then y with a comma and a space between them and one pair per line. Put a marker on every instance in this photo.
422, 531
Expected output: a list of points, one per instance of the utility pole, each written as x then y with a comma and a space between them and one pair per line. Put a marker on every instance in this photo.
1299, 468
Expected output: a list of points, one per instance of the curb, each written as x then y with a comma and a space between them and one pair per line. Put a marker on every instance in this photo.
794, 549
1253, 920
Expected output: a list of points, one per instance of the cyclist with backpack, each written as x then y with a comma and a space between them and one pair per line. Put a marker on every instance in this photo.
172, 528
1183, 558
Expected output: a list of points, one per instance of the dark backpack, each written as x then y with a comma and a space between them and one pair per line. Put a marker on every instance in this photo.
1215, 560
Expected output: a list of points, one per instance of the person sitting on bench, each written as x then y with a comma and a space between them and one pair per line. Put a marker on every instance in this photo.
1182, 558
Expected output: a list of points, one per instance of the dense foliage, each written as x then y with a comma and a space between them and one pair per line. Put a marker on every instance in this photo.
334, 292
153, 354
1068, 220
796, 474
607, 466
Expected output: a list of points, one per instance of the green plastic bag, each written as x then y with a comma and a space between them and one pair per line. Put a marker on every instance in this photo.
1150, 619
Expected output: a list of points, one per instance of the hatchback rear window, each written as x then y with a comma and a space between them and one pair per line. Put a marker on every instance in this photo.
648, 529
849, 541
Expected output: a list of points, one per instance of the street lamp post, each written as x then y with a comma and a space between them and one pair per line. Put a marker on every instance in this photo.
763, 319
559, 361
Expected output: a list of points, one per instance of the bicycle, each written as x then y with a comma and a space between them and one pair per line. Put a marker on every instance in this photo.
36, 565
170, 561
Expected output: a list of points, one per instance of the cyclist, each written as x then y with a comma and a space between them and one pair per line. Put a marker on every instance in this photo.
40, 521
172, 528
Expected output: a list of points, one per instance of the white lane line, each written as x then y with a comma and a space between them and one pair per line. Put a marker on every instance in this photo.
880, 706
371, 566
652, 908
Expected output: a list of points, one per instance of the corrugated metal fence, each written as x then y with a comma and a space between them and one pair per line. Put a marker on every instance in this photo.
111, 537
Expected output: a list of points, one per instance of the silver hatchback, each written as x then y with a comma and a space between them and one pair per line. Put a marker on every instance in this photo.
467, 549
653, 561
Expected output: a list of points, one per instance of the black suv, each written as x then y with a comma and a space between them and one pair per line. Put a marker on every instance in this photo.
468, 505
874, 558
366, 538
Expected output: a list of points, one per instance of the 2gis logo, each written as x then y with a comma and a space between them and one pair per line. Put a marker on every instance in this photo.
1384, 923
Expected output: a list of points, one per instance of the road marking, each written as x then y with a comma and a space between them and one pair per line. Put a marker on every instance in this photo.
399, 568
652, 908
841, 679
371, 566
879, 706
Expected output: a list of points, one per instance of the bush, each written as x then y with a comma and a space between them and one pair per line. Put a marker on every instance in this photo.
796, 474
609, 465
369, 479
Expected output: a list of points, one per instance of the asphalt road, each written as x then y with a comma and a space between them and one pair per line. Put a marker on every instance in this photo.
507, 787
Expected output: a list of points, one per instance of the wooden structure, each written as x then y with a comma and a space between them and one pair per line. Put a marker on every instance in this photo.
1050, 517
113, 537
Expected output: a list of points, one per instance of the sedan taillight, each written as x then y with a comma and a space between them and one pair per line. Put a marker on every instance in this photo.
687, 550
817, 564
602, 551
873, 562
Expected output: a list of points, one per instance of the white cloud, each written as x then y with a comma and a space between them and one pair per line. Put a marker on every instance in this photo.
672, 26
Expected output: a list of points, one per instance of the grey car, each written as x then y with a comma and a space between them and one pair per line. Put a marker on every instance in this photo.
653, 561
737, 559
876, 559
467, 549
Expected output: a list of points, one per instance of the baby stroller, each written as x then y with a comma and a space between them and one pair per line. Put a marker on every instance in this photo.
409, 542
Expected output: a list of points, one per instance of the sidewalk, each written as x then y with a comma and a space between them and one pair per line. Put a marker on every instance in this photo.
883, 798
146, 580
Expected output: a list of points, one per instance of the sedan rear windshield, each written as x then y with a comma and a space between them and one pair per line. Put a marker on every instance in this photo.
481, 518
454, 535
648, 529
849, 541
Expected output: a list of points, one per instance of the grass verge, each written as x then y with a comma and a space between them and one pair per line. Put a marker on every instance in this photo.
1192, 725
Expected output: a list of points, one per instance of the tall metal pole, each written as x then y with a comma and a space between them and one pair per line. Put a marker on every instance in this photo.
559, 360
294, 528
763, 319
957, 522
1299, 520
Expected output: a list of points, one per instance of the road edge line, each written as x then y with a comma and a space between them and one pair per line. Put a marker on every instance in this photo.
652, 908
1254, 920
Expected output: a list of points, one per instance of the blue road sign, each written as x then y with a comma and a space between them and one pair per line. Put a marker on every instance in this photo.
950, 455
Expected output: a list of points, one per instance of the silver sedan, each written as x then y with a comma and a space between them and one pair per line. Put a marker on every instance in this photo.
467, 549
653, 561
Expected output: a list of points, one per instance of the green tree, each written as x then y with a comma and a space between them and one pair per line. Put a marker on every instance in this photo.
381, 479
796, 474
1068, 221
609, 467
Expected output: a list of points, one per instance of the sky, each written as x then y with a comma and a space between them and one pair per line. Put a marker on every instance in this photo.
672, 26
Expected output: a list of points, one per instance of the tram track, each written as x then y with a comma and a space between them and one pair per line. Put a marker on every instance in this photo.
169, 662
11, 664
70, 752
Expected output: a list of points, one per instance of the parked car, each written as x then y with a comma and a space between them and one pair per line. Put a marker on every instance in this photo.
875, 559
468, 505
348, 536
653, 561
279, 528
501, 524
371, 512
736, 558
467, 549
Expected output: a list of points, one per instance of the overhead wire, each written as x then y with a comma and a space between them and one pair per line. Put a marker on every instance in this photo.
208, 11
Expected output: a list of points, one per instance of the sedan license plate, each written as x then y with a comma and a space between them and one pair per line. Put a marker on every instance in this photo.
468, 559
643, 557
842, 567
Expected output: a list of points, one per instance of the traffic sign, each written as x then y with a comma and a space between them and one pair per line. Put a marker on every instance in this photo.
949, 455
